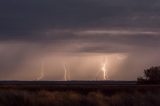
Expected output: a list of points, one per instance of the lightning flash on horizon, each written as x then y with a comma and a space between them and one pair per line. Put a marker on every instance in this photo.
103, 70
41, 75
66, 73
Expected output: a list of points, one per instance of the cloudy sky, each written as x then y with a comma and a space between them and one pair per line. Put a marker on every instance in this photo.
39, 38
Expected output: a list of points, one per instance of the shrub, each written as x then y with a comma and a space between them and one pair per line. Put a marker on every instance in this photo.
151, 75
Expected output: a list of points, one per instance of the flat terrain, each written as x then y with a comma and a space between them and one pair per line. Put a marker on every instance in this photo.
79, 86
78, 93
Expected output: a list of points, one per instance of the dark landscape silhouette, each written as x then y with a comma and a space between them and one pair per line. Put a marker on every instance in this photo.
143, 92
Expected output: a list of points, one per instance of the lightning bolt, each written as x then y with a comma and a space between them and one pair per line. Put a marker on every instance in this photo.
41, 72
66, 73
103, 70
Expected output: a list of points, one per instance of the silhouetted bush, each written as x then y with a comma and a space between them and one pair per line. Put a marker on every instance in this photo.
151, 76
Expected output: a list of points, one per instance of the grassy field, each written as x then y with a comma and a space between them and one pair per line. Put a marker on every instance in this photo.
79, 95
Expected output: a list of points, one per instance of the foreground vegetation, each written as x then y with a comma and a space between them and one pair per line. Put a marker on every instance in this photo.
146, 92
151, 76
69, 98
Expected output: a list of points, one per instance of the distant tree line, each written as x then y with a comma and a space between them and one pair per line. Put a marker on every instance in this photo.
151, 76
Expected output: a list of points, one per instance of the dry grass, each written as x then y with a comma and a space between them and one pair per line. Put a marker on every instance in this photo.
69, 98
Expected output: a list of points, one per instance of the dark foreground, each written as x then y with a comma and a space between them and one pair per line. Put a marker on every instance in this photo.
78, 93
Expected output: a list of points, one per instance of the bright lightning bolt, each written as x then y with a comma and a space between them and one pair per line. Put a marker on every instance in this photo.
42, 72
66, 73
103, 70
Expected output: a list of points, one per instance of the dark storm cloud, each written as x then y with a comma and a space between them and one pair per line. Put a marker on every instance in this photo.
58, 22
31, 29
107, 43
29, 20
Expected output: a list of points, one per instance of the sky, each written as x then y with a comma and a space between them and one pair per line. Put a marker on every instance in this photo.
39, 37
